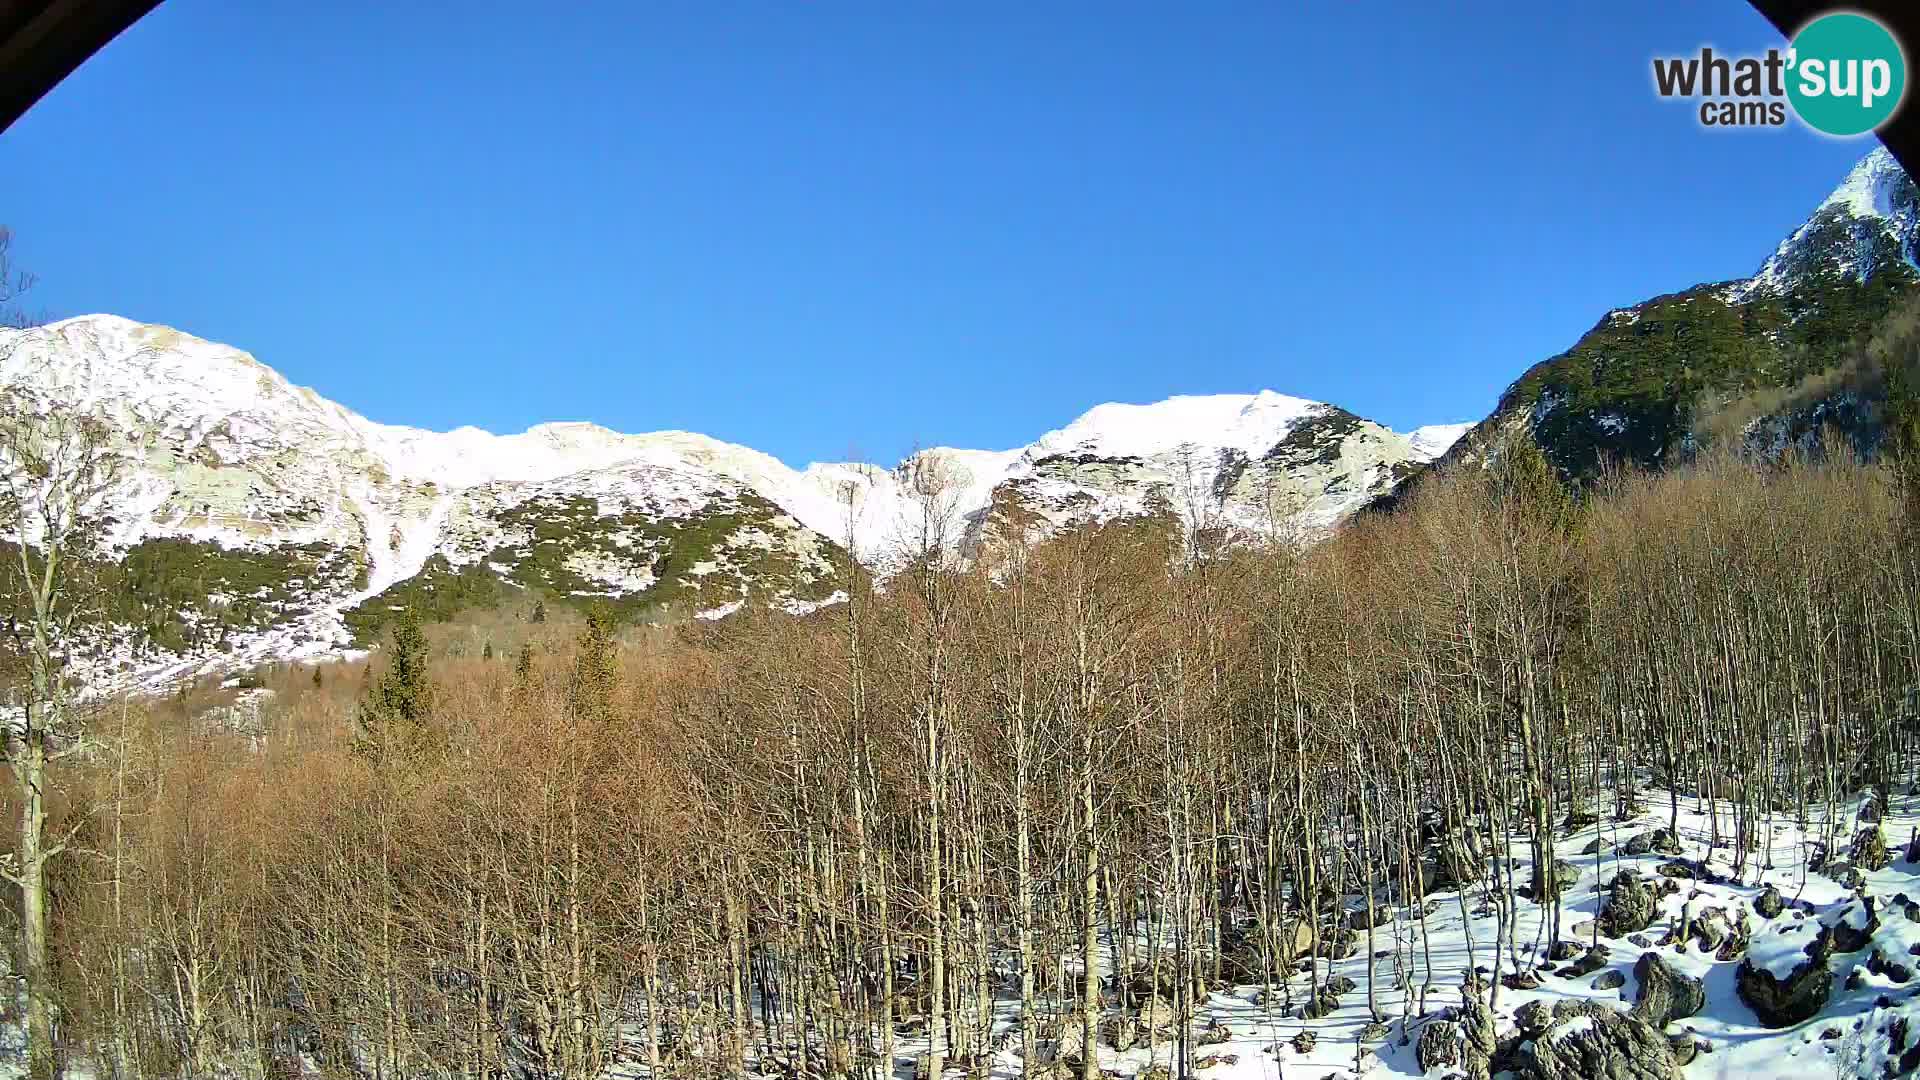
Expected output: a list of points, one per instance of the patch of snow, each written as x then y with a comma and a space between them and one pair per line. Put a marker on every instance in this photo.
1433, 440
721, 612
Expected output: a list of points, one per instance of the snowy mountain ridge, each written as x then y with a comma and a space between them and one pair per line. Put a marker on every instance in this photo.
232, 459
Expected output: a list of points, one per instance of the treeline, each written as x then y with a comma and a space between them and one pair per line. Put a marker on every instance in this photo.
810, 846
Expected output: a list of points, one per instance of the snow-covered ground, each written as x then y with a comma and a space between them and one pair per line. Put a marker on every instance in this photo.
1861, 1031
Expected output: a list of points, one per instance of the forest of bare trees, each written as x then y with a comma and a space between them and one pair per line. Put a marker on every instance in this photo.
813, 846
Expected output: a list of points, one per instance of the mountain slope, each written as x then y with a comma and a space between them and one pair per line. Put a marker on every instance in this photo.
1637, 384
258, 520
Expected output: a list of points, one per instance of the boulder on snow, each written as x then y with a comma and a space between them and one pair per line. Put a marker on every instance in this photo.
1459, 859
1843, 873
1609, 980
1565, 876
1328, 998
1338, 944
1360, 919
1323, 1004
1784, 1002
1894, 970
1869, 849
1657, 841
1438, 1048
1479, 1031
1534, 1018
1156, 1019
1520, 980
1628, 907
1465, 1037
1712, 929
1769, 904
1843, 936
1685, 1047
1666, 995
1587, 1040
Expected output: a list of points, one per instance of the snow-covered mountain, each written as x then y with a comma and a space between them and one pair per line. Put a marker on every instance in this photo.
1870, 222
260, 520
1761, 352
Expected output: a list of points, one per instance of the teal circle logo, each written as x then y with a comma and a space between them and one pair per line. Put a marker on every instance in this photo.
1846, 74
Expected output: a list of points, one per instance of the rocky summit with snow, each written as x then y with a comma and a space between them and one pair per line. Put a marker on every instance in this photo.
256, 520
1771, 359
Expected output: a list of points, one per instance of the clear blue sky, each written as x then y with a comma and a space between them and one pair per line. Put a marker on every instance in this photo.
823, 227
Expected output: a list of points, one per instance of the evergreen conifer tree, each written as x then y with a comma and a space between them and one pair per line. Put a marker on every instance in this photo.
594, 670
1530, 484
393, 717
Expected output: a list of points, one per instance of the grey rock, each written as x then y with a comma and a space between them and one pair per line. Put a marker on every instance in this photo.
1628, 907
1565, 876
1841, 936
1438, 1048
1712, 928
1666, 995
1869, 849
1897, 971
1613, 1046
1843, 873
1785, 1002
